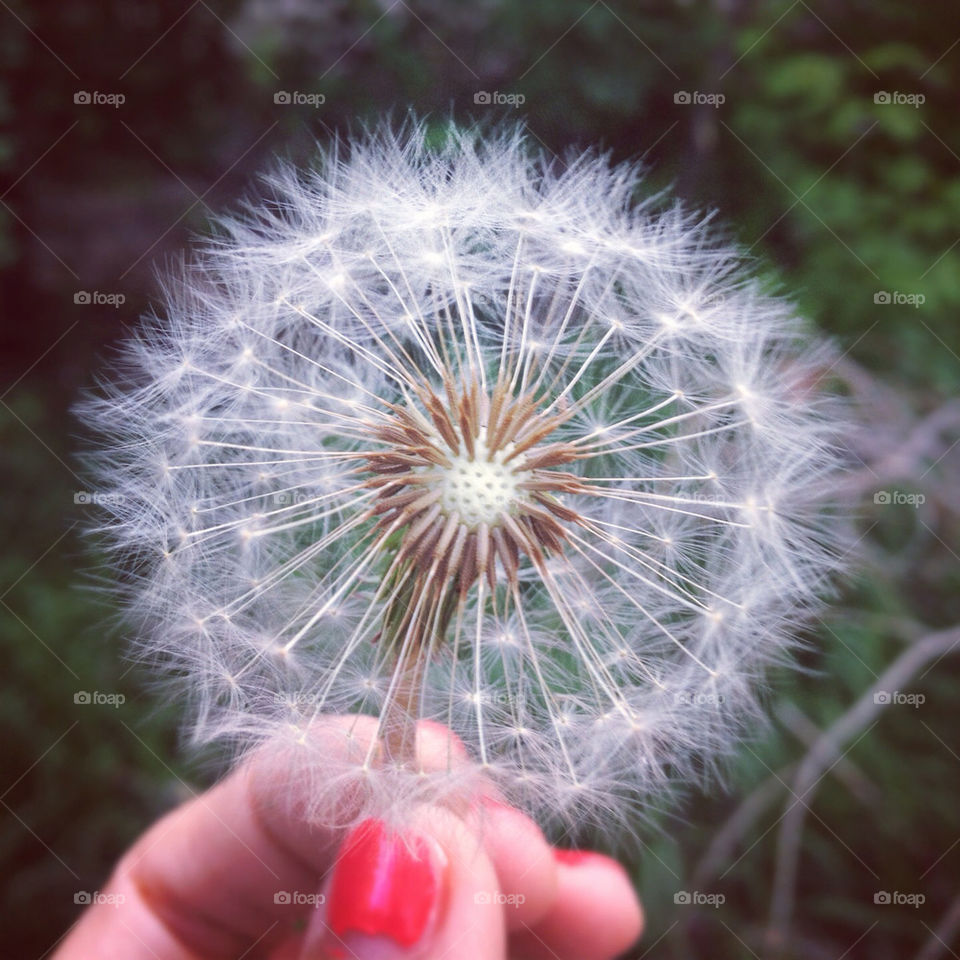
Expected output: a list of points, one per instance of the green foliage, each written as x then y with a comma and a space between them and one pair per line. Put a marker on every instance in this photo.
81, 779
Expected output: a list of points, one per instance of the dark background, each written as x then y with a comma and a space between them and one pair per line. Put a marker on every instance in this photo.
827, 168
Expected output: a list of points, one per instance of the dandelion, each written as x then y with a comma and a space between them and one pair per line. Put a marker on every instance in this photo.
450, 433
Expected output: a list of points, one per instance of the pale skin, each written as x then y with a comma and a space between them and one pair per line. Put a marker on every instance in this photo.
199, 885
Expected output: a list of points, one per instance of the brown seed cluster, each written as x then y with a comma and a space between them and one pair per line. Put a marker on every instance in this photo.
470, 481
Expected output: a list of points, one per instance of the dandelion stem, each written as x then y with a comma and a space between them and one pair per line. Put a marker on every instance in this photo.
398, 733
414, 622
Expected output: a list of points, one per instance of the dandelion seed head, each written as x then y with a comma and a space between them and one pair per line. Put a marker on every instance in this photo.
455, 433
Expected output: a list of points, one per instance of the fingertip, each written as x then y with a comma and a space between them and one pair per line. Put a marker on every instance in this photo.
596, 914
474, 924
437, 745
421, 890
524, 862
604, 889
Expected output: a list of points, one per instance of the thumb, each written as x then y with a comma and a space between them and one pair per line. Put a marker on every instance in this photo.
416, 894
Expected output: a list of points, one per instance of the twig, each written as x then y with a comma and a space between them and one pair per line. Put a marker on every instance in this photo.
847, 772
737, 826
817, 761
946, 930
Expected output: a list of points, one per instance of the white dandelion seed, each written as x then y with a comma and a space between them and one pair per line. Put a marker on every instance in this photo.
443, 433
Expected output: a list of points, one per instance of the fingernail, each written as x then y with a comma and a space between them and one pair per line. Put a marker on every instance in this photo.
385, 893
575, 858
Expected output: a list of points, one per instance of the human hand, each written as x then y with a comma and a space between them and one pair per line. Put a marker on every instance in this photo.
234, 873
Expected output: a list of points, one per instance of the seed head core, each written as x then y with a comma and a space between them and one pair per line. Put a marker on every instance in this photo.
480, 488
468, 482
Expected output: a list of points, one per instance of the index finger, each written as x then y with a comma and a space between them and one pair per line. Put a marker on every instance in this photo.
218, 873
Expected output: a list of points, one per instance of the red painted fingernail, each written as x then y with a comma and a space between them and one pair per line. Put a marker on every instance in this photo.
386, 890
574, 858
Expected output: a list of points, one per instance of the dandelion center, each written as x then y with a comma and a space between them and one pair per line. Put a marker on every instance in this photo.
468, 483
481, 488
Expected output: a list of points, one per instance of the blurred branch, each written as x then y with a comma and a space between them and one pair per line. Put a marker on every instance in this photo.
739, 824
847, 772
725, 841
894, 444
820, 757
946, 930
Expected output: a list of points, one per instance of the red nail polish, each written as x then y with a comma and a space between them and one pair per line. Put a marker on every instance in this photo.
573, 858
385, 885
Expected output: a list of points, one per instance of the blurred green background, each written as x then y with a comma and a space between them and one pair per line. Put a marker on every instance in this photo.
824, 133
